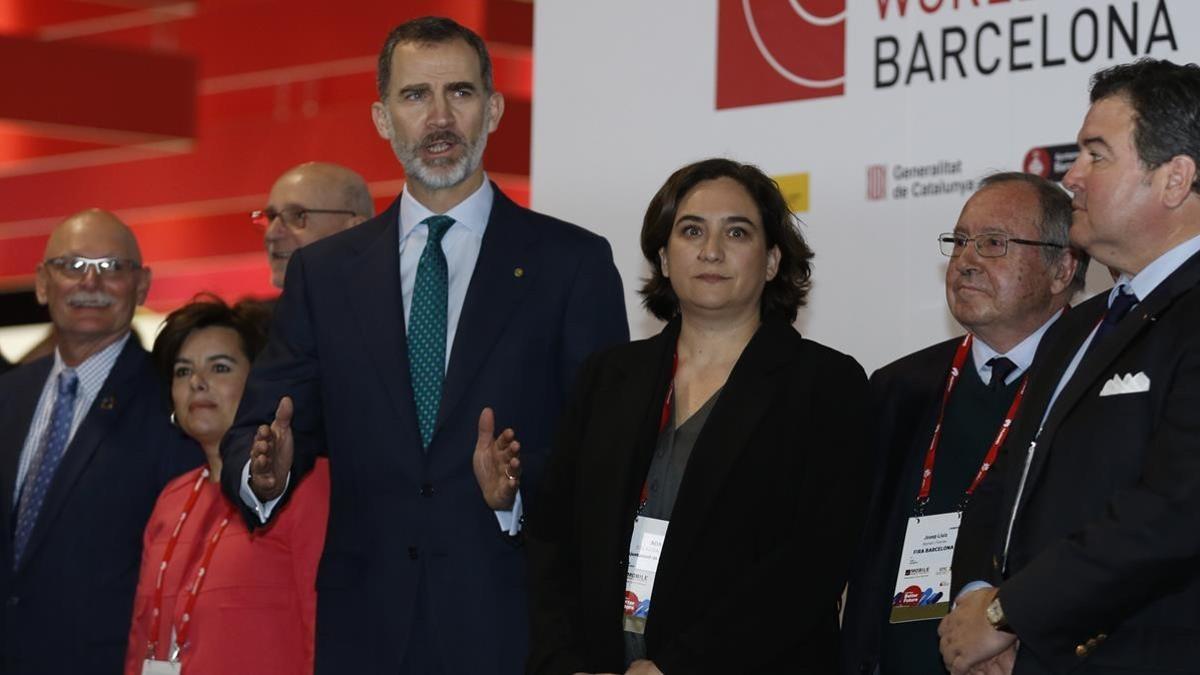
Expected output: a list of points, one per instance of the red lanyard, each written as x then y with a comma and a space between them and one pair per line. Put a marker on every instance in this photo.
664, 419
960, 358
193, 591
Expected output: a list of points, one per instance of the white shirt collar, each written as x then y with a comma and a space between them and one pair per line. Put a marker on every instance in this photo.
472, 212
95, 369
1144, 283
1021, 355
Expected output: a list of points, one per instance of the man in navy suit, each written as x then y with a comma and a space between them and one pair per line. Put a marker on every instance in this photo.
85, 448
1093, 516
399, 357
1010, 275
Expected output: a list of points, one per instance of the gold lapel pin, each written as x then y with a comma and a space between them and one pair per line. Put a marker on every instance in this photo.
107, 403
519, 272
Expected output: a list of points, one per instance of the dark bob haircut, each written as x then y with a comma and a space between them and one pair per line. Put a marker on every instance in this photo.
1165, 98
782, 296
431, 30
248, 318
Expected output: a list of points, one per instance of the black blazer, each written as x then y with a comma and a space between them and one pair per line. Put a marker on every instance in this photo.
905, 397
410, 537
70, 603
759, 542
1103, 570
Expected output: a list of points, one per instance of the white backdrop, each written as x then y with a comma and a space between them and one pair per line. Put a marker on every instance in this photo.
626, 91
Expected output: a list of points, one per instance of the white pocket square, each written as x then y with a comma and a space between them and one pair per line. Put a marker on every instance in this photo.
1126, 384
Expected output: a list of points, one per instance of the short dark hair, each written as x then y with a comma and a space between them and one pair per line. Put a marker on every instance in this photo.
1165, 98
782, 296
431, 30
249, 318
1054, 222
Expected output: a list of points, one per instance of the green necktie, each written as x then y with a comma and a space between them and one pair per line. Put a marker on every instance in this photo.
427, 327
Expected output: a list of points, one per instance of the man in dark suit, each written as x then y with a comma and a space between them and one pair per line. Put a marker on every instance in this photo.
1010, 276
1092, 520
85, 448
397, 355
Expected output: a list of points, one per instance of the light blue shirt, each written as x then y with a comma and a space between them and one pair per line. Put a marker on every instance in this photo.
92, 373
460, 244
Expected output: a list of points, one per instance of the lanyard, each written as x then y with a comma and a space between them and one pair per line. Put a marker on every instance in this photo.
664, 418
960, 358
181, 632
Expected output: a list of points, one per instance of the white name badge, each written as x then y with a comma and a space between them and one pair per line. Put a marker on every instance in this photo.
923, 580
645, 547
156, 667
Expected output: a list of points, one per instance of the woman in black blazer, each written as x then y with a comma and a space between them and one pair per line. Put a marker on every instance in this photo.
727, 449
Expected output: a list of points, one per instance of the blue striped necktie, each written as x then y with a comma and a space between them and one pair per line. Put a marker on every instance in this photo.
45, 461
427, 327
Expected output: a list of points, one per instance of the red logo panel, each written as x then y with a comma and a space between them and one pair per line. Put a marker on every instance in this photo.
770, 51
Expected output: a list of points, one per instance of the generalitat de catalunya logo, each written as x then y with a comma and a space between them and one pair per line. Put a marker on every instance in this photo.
769, 51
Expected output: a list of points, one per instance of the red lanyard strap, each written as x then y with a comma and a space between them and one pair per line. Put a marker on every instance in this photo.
664, 419
960, 358
168, 553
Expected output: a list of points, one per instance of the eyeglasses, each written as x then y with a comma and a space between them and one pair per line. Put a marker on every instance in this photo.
292, 217
991, 245
76, 267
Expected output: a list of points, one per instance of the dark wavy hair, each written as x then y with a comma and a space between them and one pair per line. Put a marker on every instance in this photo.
249, 318
1165, 98
782, 296
431, 30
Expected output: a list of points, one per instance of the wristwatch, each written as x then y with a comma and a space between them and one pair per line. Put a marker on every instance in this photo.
995, 616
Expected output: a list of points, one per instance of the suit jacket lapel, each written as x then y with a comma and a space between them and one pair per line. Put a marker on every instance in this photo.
14, 428
632, 405
503, 275
1097, 361
744, 400
373, 292
109, 405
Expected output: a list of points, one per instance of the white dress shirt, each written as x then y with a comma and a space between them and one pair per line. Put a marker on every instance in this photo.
1021, 355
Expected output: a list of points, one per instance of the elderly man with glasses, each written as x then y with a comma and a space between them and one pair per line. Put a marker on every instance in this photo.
85, 448
307, 203
943, 413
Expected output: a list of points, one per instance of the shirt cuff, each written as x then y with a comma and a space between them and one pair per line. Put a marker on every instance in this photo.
251, 500
970, 587
510, 521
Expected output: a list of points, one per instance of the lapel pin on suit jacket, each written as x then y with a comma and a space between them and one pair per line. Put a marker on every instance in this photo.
108, 402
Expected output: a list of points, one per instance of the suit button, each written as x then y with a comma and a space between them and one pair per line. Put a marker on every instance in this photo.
426, 490
413, 553
1081, 651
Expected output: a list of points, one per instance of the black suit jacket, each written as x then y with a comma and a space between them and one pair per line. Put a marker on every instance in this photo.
1103, 569
760, 535
70, 602
905, 397
402, 522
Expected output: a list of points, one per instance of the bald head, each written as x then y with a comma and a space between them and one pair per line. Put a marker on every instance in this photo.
91, 280
96, 230
312, 187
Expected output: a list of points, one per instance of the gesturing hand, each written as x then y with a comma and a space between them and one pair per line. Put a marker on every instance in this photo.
271, 454
497, 464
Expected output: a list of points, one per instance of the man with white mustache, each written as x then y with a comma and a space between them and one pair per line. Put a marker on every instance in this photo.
85, 448
400, 347
942, 412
